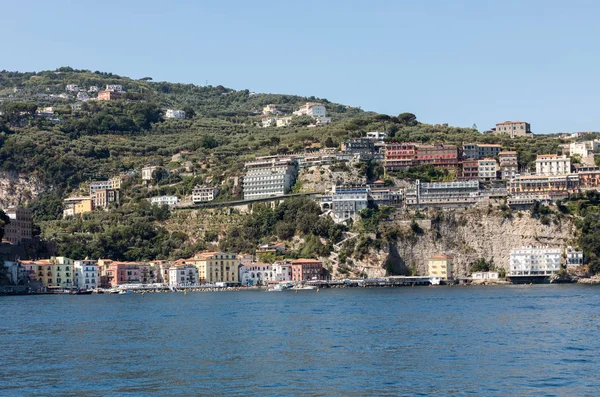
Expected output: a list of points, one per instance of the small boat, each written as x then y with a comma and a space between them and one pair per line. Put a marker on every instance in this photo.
125, 292
82, 292
435, 280
275, 288
303, 287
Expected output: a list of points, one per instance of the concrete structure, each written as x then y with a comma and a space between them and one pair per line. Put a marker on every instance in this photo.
216, 267
204, 193
514, 128
311, 109
441, 266
175, 114
269, 176
282, 271
583, 149
443, 194
20, 228
487, 169
509, 165
531, 261
164, 200
109, 95
573, 258
307, 269
112, 183
77, 206
86, 274
470, 151
485, 276
104, 198
551, 165
256, 274
148, 171
184, 275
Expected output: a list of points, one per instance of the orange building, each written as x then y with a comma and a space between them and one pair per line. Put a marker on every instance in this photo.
307, 269
107, 95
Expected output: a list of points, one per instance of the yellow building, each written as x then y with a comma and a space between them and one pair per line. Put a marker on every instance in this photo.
214, 267
83, 206
441, 266
56, 272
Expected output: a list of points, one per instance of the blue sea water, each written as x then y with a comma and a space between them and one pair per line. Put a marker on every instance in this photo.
428, 341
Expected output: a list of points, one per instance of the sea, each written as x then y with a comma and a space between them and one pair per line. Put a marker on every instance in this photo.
519, 340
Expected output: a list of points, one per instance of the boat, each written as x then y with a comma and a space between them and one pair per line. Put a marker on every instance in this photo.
275, 288
125, 292
303, 287
82, 292
435, 280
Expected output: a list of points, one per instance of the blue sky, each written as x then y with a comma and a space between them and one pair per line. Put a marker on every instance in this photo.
455, 62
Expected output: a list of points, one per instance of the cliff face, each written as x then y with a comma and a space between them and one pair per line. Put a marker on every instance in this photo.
472, 235
18, 189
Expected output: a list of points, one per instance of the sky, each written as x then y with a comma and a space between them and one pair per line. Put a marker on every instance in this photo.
457, 62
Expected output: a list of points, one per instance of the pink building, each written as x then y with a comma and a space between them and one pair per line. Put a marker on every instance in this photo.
307, 269
119, 273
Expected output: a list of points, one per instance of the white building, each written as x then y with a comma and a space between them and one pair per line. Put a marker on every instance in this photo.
270, 109
15, 271
204, 193
322, 120
100, 185
487, 169
282, 271
530, 261
86, 274
183, 276
283, 121
72, 88
83, 96
347, 202
114, 87
256, 273
376, 135
485, 276
574, 258
583, 149
147, 172
269, 121
174, 114
551, 165
164, 200
269, 176
311, 109
93, 88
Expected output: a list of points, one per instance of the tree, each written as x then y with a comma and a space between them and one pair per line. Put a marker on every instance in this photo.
407, 119
4, 220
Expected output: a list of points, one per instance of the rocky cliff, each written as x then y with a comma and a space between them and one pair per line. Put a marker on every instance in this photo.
18, 189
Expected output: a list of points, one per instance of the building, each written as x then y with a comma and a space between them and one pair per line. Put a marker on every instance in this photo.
573, 258
583, 149
385, 196
148, 171
109, 95
311, 109
175, 114
20, 227
86, 274
15, 271
544, 187
514, 128
114, 87
531, 261
105, 197
443, 194
470, 169
214, 267
485, 276
509, 165
77, 205
83, 96
363, 147
487, 169
183, 275
62, 273
72, 87
376, 135
100, 185
441, 266
470, 151
307, 269
119, 273
204, 193
269, 176
284, 121
282, 271
269, 121
164, 200
256, 273
589, 177
347, 201
399, 156
488, 150
93, 88
552, 164
277, 248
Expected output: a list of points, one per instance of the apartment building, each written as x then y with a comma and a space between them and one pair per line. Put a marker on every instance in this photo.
573, 258
470, 169
307, 269
109, 95
443, 194
514, 129
269, 176
282, 271
487, 169
256, 273
441, 266
119, 273
363, 147
545, 187
216, 267
170, 201
509, 165
534, 261
105, 197
86, 274
347, 201
589, 177
77, 206
202, 193
311, 109
552, 164
183, 275
399, 156
20, 228
175, 114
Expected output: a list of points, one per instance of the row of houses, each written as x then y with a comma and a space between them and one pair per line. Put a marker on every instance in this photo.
212, 268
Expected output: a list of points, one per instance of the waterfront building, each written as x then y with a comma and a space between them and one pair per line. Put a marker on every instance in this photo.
119, 273
282, 271
509, 165
311, 109
443, 194
20, 228
256, 274
441, 266
216, 267
532, 261
164, 200
487, 169
183, 275
485, 275
245, 259
175, 114
307, 269
105, 197
15, 272
513, 128
269, 176
86, 274
574, 258
551, 165
203, 193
